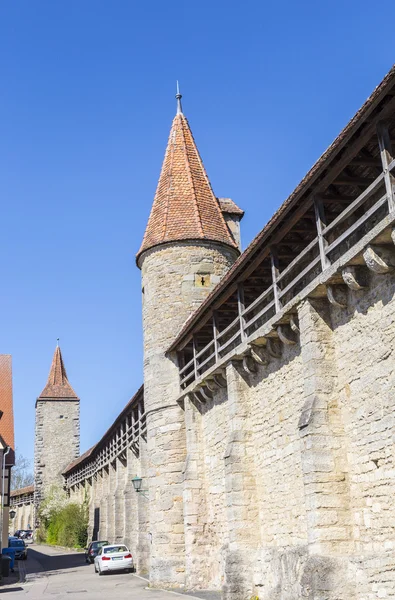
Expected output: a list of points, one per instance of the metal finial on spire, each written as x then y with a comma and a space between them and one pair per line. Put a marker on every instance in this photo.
178, 97
57, 342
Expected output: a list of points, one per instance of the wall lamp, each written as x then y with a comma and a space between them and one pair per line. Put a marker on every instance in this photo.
12, 514
137, 481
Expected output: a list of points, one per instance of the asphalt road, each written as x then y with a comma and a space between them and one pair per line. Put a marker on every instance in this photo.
61, 575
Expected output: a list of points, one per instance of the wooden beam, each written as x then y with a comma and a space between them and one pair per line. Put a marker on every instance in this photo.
321, 224
386, 157
215, 333
194, 356
356, 181
275, 275
366, 162
334, 199
241, 307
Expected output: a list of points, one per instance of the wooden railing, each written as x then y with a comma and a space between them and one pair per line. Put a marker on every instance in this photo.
127, 436
332, 241
22, 500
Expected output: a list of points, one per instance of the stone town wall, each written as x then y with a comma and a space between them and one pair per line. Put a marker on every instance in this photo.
23, 517
365, 351
289, 477
176, 278
57, 442
116, 512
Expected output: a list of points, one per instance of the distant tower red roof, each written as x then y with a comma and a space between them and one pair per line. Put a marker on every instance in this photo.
184, 206
58, 385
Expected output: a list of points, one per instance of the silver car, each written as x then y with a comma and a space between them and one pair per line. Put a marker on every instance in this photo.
114, 557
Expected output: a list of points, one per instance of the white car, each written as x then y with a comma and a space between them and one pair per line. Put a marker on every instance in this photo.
114, 557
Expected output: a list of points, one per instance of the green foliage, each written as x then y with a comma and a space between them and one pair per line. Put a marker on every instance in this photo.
64, 523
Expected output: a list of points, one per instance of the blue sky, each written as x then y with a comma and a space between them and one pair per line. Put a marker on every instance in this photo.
86, 103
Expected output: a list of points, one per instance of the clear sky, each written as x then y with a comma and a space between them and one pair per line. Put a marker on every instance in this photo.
86, 103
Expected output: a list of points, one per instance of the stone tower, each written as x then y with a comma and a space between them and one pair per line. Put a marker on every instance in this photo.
57, 438
186, 249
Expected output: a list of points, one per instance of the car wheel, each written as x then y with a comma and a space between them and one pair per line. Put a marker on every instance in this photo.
100, 572
95, 568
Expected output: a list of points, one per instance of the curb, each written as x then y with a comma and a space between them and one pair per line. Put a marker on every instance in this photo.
76, 550
22, 573
183, 594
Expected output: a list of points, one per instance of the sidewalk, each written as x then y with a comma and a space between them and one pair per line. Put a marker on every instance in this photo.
10, 582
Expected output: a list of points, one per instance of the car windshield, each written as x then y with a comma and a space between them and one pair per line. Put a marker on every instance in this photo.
16, 544
96, 545
112, 549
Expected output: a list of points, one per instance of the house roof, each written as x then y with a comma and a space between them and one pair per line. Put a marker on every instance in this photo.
58, 386
184, 206
6, 406
335, 152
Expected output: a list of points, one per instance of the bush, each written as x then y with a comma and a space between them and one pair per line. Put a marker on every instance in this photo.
65, 524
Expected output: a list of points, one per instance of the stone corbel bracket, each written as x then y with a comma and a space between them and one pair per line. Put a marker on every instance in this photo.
259, 354
220, 379
294, 324
211, 385
380, 259
249, 364
274, 348
206, 392
198, 396
287, 335
354, 278
335, 296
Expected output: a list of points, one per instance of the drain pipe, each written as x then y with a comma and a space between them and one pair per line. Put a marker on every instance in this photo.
5, 452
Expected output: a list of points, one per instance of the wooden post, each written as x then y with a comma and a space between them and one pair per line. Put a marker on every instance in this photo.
194, 357
320, 221
386, 158
240, 305
275, 274
215, 334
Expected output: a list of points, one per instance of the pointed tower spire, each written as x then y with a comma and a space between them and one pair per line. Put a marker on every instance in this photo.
178, 98
184, 206
58, 385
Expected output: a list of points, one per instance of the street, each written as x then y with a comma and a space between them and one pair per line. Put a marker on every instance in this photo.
60, 574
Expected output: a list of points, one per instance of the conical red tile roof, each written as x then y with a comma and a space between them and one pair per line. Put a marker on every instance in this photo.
58, 385
184, 207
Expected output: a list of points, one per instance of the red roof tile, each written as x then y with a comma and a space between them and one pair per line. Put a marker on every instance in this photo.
184, 206
58, 385
228, 206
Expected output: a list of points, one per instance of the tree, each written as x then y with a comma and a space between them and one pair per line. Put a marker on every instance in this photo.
21, 473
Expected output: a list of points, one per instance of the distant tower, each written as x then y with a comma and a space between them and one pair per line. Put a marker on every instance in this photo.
57, 440
186, 250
